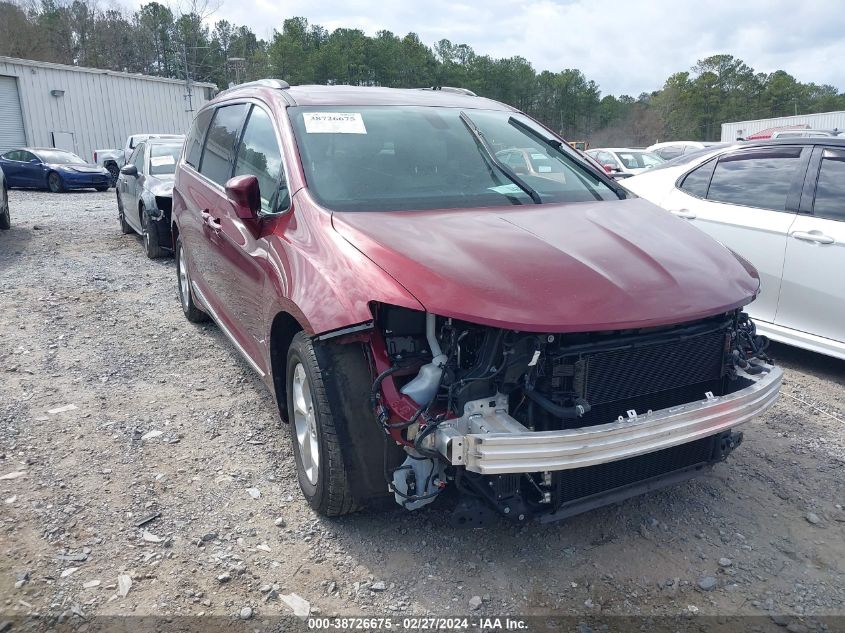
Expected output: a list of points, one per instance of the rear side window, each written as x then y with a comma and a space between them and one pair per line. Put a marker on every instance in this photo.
193, 144
698, 180
260, 156
756, 178
830, 188
217, 155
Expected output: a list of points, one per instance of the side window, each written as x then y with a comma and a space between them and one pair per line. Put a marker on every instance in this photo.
606, 158
13, 155
830, 187
217, 154
193, 144
137, 157
259, 155
25, 156
755, 178
696, 182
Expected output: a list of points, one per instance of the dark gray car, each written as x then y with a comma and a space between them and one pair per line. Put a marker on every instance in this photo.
145, 193
5, 219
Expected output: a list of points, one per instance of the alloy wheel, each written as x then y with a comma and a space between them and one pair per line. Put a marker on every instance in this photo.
305, 422
184, 281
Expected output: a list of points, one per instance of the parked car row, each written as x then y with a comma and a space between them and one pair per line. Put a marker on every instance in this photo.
621, 162
781, 205
439, 292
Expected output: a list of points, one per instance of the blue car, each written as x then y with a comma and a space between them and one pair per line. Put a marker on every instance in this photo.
53, 169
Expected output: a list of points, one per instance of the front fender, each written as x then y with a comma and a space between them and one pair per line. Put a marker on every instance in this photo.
320, 278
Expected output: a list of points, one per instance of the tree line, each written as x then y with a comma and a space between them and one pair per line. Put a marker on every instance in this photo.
156, 40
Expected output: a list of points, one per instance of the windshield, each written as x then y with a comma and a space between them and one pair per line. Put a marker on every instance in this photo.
58, 157
385, 158
638, 160
163, 159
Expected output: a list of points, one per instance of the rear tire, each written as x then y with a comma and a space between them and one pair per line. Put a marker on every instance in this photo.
55, 183
186, 296
149, 234
102, 188
114, 171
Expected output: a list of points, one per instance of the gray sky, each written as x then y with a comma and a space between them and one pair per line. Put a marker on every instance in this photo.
627, 47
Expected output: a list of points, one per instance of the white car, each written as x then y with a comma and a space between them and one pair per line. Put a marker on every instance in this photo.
621, 160
781, 205
672, 149
804, 133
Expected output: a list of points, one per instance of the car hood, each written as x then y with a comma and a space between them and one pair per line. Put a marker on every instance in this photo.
85, 168
555, 268
160, 185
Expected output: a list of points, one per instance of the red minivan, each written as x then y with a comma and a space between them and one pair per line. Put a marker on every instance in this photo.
428, 315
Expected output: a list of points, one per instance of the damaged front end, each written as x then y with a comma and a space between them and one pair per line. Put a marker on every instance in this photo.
550, 424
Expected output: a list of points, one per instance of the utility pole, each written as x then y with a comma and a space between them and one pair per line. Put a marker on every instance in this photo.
237, 63
188, 91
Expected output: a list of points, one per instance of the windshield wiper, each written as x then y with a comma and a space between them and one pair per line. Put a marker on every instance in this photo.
557, 146
488, 153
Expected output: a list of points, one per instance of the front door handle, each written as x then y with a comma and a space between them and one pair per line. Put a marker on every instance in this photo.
210, 221
813, 236
686, 214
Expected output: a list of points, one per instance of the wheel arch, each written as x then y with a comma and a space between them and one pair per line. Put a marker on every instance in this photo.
283, 329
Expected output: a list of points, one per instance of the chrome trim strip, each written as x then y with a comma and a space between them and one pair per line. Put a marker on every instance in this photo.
521, 452
225, 330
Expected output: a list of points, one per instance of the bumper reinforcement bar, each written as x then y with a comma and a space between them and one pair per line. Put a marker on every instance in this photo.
487, 440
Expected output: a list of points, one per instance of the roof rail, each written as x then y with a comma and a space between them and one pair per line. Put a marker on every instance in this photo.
460, 91
278, 84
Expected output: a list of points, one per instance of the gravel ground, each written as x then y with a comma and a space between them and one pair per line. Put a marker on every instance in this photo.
165, 420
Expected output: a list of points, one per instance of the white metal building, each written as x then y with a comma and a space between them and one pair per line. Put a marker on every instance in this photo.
83, 109
820, 121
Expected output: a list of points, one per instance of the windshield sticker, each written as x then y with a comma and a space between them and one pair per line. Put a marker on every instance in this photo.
159, 161
334, 123
544, 169
506, 190
539, 157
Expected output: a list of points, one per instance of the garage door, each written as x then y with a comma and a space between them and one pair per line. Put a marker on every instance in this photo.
11, 121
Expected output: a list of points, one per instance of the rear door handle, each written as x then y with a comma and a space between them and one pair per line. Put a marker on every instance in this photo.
813, 236
686, 214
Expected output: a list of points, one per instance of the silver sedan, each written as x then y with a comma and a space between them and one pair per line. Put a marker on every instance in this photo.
145, 193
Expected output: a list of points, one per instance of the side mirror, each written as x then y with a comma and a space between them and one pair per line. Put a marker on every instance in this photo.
34, 161
245, 194
129, 170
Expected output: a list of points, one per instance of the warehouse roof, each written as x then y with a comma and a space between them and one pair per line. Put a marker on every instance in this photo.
100, 71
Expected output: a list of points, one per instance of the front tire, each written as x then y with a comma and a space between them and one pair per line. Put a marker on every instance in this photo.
5, 216
152, 247
319, 460
55, 183
121, 217
186, 296
333, 419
